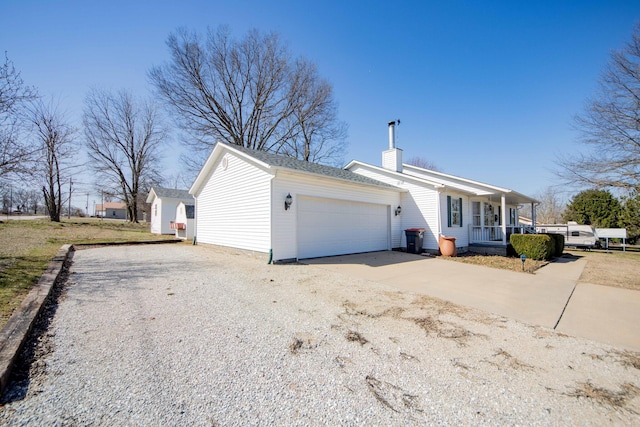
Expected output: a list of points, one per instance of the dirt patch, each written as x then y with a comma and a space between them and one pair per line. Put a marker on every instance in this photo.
301, 342
392, 396
604, 396
503, 358
354, 336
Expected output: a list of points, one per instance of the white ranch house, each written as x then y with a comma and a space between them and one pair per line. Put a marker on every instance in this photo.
164, 202
294, 209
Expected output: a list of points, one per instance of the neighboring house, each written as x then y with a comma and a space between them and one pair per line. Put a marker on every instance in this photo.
164, 202
294, 209
113, 210
185, 221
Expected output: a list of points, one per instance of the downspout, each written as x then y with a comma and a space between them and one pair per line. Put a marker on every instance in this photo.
439, 215
270, 260
195, 219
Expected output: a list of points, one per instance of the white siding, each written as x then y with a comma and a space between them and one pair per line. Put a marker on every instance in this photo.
284, 239
461, 233
419, 208
156, 216
181, 217
168, 214
233, 207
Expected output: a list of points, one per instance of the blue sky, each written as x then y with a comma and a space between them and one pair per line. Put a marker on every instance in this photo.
484, 89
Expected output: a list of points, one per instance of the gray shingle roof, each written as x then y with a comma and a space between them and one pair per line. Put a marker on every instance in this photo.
170, 193
314, 168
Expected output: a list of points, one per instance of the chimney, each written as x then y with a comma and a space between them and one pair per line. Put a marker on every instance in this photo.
392, 158
392, 135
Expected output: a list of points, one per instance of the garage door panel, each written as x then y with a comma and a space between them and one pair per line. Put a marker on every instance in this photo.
335, 227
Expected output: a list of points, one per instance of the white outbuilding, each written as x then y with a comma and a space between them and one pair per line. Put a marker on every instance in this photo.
185, 221
164, 202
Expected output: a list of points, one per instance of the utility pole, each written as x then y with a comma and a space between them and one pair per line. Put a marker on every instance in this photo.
70, 183
86, 208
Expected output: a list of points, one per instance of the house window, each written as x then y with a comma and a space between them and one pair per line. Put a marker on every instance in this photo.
155, 210
454, 211
475, 210
513, 212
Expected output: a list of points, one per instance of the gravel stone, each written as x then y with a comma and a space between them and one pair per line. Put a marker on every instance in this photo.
200, 335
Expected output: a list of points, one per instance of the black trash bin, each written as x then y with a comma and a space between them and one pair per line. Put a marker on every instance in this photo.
415, 238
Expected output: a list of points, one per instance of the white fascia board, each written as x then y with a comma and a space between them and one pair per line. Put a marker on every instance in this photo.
152, 196
454, 178
401, 176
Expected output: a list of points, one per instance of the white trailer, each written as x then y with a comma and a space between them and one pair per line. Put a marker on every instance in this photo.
575, 235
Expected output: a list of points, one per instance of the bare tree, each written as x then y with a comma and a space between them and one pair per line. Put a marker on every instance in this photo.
610, 125
247, 92
123, 138
317, 135
56, 141
15, 152
551, 206
423, 163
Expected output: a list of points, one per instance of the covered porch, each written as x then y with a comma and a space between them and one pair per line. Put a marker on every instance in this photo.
495, 219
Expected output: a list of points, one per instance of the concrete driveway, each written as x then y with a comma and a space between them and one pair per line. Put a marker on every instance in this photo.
550, 298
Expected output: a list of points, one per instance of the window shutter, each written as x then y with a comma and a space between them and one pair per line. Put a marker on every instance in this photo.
449, 211
460, 211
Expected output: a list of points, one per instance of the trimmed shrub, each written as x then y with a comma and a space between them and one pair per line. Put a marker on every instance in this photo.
558, 240
534, 246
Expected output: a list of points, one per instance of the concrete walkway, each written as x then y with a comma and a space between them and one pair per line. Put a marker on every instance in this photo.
548, 298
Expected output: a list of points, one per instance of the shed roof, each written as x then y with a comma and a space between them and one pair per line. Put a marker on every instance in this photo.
168, 193
171, 193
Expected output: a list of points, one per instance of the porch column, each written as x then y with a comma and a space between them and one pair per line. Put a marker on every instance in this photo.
533, 215
503, 209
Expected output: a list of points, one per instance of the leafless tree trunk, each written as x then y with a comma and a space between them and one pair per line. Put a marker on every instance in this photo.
247, 92
55, 139
610, 127
15, 152
123, 138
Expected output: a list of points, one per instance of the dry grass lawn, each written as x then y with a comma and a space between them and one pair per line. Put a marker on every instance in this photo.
619, 269
501, 262
27, 246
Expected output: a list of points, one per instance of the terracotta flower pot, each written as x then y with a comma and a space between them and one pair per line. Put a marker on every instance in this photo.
447, 246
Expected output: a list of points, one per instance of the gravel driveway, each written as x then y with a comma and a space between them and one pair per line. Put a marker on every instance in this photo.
195, 335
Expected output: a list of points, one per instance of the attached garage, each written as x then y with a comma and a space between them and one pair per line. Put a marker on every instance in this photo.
291, 209
336, 227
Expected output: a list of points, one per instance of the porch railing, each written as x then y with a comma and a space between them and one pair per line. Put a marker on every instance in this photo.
487, 234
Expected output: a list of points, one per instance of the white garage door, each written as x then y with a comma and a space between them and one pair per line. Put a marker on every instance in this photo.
336, 227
